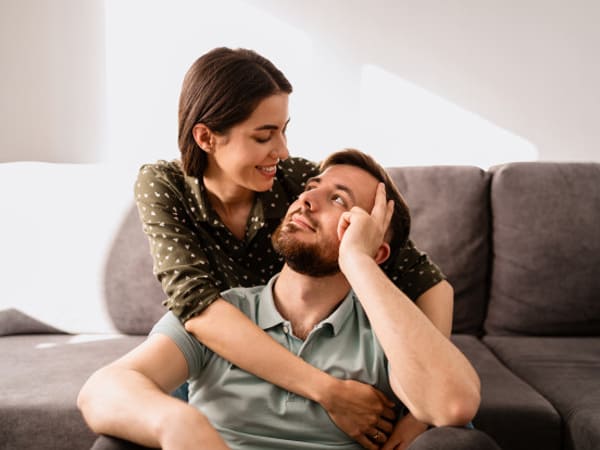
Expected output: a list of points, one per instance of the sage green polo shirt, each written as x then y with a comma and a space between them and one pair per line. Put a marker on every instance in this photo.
196, 257
252, 414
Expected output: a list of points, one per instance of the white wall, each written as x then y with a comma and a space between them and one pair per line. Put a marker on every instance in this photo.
530, 67
52, 80
526, 69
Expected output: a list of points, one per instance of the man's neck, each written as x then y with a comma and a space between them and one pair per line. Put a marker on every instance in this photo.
305, 301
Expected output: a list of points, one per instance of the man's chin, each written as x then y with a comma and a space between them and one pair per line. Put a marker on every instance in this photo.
311, 264
314, 271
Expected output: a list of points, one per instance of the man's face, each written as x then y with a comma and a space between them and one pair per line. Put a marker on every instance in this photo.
307, 236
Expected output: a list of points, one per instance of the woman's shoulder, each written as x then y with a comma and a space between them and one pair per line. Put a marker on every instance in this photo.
297, 170
161, 170
293, 173
298, 164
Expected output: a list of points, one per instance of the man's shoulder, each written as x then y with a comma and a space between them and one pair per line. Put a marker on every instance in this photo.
244, 298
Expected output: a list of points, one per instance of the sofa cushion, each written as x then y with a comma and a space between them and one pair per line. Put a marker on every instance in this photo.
566, 371
546, 238
41, 377
511, 411
13, 321
133, 294
449, 207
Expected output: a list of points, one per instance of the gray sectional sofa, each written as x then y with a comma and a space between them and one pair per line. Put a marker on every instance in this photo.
521, 245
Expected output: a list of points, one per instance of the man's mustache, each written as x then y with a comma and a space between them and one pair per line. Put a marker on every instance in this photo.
302, 212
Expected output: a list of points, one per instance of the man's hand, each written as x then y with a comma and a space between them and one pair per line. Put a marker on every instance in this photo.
361, 411
363, 233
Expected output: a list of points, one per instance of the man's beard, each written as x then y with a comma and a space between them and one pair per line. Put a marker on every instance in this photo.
307, 259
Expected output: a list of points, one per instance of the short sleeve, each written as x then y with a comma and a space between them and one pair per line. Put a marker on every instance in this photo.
194, 352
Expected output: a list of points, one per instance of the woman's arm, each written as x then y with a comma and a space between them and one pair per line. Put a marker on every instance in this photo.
437, 303
353, 406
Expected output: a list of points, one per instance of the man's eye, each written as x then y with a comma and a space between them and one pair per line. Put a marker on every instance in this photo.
338, 199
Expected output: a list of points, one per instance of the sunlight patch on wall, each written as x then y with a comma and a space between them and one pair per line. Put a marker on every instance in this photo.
404, 124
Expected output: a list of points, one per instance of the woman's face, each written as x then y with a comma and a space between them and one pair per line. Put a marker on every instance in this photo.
247, 155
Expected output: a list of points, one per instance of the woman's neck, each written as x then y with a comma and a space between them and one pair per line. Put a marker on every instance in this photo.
232, 204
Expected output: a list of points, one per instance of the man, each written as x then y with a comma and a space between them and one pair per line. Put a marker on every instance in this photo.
331, 304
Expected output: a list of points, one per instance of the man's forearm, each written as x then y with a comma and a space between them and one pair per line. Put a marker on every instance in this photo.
429, 374
123, 403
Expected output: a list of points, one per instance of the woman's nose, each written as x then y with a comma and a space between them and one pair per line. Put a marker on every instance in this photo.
282, 152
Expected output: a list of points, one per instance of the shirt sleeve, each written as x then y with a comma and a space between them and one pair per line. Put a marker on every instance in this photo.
195, 353
412, 271
180, 264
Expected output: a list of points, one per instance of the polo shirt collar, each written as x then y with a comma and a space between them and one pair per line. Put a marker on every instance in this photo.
269, 316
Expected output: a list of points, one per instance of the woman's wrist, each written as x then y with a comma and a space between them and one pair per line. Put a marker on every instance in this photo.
322, 388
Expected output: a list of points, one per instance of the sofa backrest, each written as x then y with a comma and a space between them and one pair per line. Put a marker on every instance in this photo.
133, 294
546, 239
449, 207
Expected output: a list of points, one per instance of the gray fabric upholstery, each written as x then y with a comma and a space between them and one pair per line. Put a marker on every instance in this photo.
133, 294
450, 222
13, 321
511, 411
112, 443
41, 377
546, 221
449, 438
566, 371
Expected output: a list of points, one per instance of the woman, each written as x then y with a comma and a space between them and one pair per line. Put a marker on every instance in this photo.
209, 220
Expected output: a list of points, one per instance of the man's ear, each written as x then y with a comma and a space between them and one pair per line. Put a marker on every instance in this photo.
204, 137
383, 253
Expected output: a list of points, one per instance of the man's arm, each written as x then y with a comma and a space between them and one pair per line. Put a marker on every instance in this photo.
129, 399
428, 373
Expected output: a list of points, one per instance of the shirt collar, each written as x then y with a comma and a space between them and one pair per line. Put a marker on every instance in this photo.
269, 316
205, 213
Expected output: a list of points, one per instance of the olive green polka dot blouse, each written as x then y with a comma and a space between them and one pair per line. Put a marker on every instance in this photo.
196, 256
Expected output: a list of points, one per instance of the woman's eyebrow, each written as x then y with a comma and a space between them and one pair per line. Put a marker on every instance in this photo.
269, 126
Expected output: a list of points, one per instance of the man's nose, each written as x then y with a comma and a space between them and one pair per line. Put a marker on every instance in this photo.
308, 200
